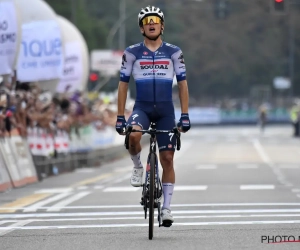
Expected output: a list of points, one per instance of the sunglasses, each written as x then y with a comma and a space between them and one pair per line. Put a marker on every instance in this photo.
148, 19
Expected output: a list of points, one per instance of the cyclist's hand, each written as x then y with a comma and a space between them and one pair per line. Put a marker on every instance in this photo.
121, 124
184, 123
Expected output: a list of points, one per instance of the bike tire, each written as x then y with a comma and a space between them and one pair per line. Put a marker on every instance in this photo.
151, 194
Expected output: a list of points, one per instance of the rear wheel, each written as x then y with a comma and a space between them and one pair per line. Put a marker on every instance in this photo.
151, 194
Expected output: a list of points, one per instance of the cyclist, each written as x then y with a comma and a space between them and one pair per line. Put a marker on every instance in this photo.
153, 64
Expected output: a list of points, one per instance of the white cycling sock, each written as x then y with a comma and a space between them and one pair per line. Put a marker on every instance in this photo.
168, 192
136, 160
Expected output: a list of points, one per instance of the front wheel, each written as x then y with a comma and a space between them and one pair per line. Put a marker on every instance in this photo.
151, 194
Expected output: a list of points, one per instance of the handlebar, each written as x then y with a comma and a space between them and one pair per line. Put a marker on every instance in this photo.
151, 131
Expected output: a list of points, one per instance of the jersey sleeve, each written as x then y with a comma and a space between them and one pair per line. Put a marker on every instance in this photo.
128, 60
179, 65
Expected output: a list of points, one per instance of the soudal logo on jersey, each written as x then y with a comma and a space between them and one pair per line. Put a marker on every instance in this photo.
185, 122
155, 65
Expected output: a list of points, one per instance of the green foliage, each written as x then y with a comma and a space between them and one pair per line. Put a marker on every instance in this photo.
223, 57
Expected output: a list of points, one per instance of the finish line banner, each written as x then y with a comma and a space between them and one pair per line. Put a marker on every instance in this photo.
41, 52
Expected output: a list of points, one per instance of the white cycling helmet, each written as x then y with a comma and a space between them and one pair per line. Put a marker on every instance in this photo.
150, 11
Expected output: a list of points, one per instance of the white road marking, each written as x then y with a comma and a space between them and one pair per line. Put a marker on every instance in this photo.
298, 195
84, 170
296, 190
53, 190
141, 213
173, 205
6, 230
121, 189
63, 203
217, 223
177, 217
208, 166
98, 187
189, 188
261, 152
256, 187
247, 166
82, 187
36, 206
281, 178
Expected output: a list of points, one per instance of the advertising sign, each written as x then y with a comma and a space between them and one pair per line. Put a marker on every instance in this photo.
107, 62
72, 71
8, 37
41, 53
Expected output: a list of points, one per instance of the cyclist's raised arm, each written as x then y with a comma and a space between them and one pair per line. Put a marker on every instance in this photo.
128, 60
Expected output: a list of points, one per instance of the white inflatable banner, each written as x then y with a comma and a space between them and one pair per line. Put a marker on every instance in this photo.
72, 72
8, 37
41, 54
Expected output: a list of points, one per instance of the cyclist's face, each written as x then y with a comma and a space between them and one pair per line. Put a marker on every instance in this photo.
152, 29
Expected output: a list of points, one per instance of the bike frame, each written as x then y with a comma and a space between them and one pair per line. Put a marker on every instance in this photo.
153, 172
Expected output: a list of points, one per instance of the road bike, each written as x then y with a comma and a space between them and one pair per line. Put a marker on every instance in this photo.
152, 187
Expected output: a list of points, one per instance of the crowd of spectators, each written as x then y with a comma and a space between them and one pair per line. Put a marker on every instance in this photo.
24, 105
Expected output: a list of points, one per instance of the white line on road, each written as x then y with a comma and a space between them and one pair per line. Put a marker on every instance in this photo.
218, 223
134, 189
63, 203
84, 170
281, 178
121, 189
173, 205
296, 190
53, 190
36, 206
177, 217
6, 230
127, 213
261, 152
189, 188
82, 187
256, 187
208, 166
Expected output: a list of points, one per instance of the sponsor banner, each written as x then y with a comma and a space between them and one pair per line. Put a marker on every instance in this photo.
107, 62
91, 139
72, 72
8, 37
10, 161
23, 158
201, 115
4, 177
41, 53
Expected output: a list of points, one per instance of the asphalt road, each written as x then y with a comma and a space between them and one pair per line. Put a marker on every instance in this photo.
236, 188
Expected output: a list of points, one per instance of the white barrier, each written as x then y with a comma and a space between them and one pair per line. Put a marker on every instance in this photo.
18, 160
4, 176
23, 159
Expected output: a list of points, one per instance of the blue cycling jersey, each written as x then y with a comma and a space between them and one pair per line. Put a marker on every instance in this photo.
153, 72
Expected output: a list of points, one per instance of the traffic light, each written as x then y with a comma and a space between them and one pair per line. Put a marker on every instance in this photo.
279, 5
93, 80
